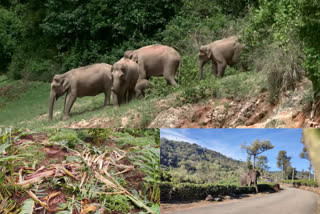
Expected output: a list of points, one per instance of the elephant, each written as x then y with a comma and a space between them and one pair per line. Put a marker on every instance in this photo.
125, 74
222, 53
90, 80
250, 178
156, 60
141, 85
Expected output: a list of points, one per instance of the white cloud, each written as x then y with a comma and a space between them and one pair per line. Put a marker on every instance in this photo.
172, 134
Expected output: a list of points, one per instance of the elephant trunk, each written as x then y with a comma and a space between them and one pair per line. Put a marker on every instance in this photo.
51, 104
201, 64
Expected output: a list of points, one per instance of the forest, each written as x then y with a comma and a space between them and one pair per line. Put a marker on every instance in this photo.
41, 38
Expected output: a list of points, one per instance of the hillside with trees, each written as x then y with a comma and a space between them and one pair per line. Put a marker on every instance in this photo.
275, 84
187, 162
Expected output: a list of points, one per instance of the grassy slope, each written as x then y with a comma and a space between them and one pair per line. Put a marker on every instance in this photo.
30, 108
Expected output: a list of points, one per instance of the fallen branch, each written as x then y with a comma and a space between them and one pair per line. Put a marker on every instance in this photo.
43, 204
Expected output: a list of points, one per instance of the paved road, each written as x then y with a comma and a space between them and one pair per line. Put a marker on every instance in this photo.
288, 201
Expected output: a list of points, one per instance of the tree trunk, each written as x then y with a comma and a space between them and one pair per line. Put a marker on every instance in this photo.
254, 162
51, 104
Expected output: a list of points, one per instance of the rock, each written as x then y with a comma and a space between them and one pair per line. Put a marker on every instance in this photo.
217, 199
276, 187
209, 198
218, 116
227, 197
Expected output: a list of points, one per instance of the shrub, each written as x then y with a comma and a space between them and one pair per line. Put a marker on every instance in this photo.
188, 192
310, 183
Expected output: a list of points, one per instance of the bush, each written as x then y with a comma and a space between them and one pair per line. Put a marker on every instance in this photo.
189, 192
310, 183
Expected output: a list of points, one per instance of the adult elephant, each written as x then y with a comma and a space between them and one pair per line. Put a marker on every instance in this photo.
250, 178
221, 53
84, 81
156, 60
125, 74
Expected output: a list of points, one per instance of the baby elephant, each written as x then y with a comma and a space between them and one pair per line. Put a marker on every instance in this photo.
141, 85
90, 80
125, 74
222, 53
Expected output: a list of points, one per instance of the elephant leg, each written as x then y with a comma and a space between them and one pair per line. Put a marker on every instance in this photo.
131, 94
171, 81
107, 95
65, 101
115, 100
169, 73
214, 68
70, 101
221, 67
142, 71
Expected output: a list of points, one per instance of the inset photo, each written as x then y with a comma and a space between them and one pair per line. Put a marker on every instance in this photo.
82, 171
239, 171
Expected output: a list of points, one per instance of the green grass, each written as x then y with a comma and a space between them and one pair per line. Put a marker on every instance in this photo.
29, 107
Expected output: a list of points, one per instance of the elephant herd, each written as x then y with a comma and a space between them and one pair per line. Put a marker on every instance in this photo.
129, 76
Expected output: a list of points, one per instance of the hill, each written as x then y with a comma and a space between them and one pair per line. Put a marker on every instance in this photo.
173, 153
192, 163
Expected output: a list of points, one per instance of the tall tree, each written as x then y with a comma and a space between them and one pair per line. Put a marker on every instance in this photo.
262, 163
283, 161
305, 155
256, 148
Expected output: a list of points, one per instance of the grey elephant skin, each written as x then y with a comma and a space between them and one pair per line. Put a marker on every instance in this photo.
141, 86
90, 80
125, 74
250, 178
156, 60
221, 53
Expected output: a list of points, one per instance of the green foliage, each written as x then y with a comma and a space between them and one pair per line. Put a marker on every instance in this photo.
124, 138
66, 137
189, 192
76, 33
191, 163
149, 163
310, 183
256, 148
9, 34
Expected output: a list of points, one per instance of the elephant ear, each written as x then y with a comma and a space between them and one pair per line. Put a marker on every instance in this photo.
258, 174
205, 50
124, 70
65, 84
128, 54
134, 57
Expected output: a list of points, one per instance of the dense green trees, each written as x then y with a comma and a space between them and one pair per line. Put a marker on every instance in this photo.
41, 38
191, 163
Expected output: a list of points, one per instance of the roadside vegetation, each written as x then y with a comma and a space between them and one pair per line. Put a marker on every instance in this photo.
80, 171
190, 172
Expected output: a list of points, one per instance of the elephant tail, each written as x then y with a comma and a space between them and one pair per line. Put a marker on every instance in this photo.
179, 66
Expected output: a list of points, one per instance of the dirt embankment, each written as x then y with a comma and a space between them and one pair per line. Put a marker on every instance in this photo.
291, 111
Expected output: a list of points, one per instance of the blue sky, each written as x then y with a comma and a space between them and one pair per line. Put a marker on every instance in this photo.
228, 142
